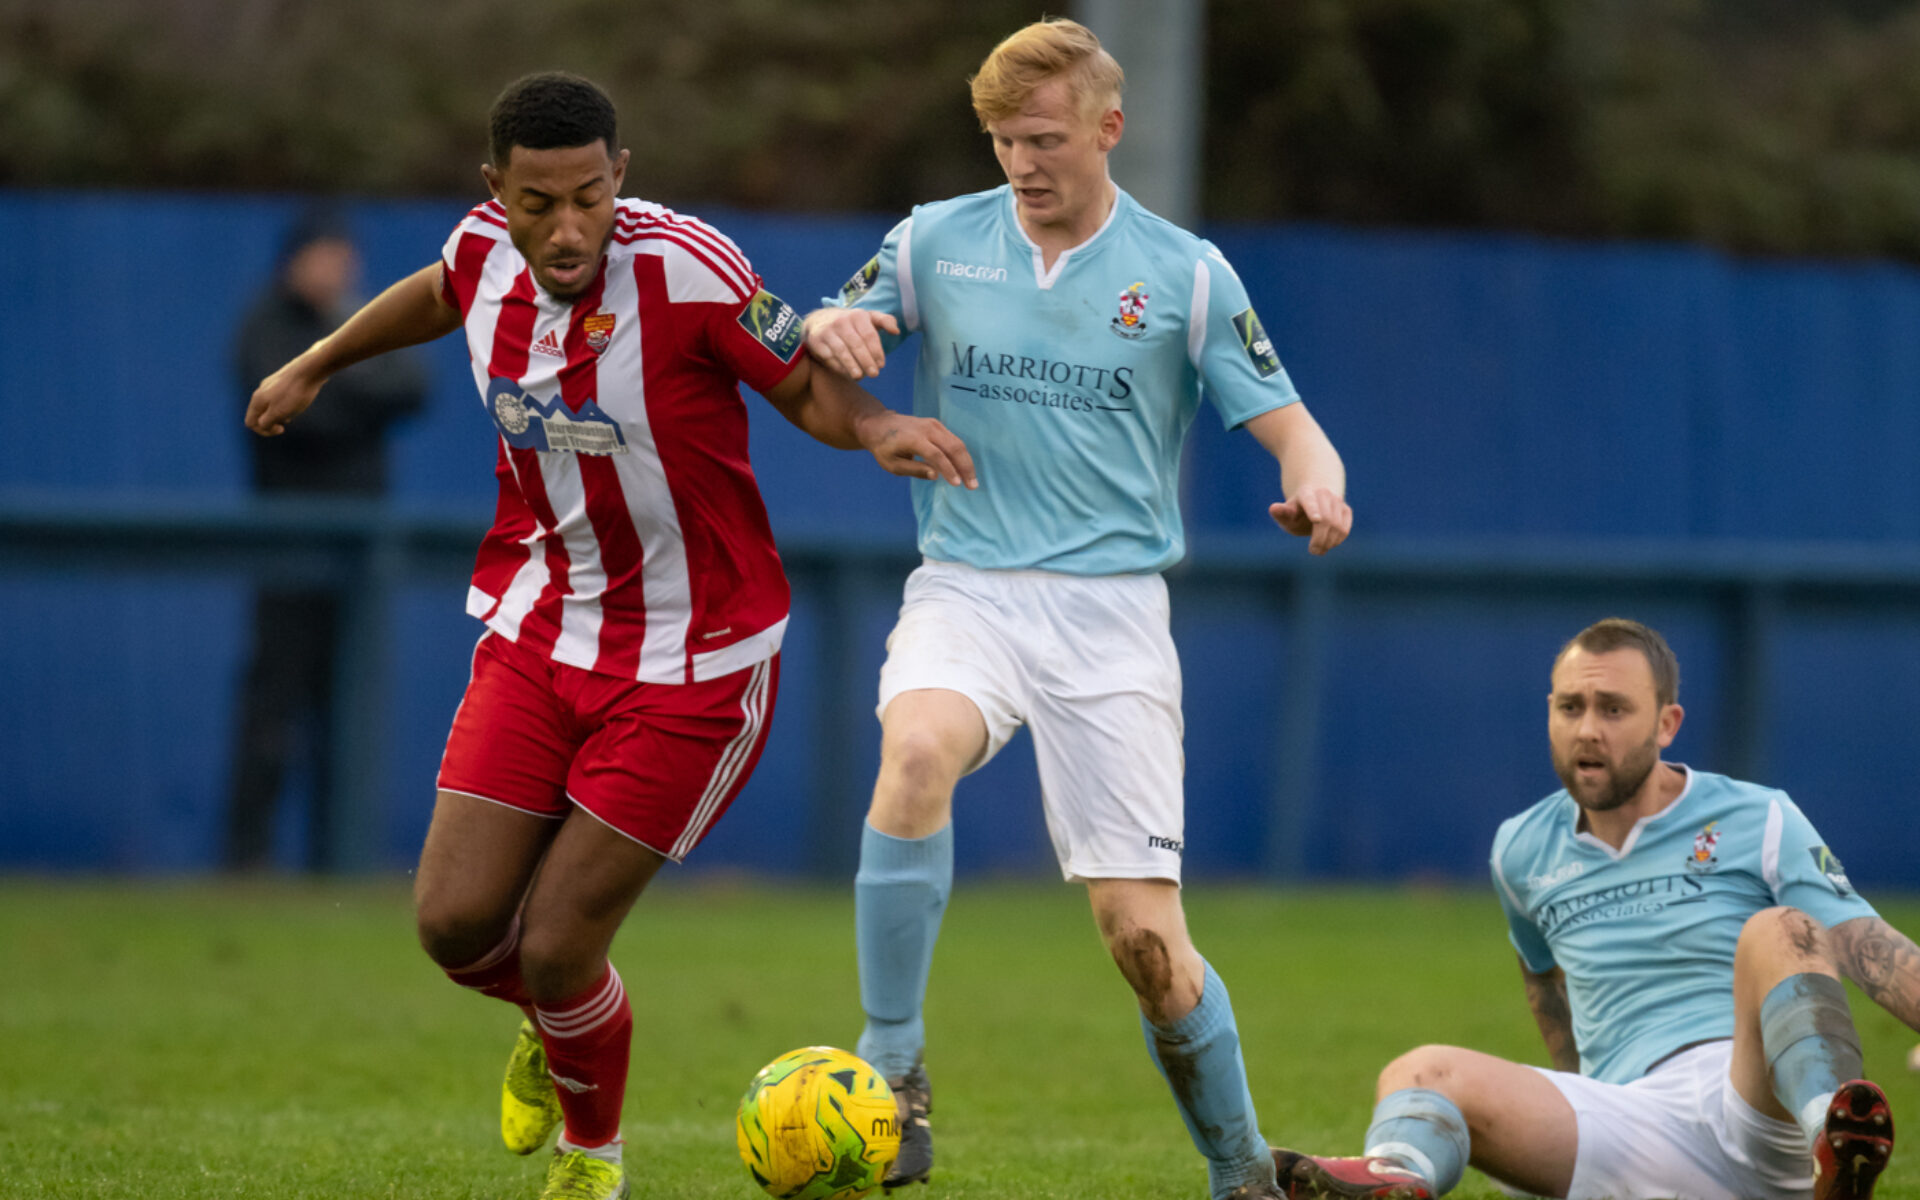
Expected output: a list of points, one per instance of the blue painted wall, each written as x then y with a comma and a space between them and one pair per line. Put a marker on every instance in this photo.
1478, 387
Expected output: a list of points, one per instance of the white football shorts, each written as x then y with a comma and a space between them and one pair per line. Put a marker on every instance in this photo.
1681, 1131
1088, 665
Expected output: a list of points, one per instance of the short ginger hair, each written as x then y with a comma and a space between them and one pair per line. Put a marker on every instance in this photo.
1056, 48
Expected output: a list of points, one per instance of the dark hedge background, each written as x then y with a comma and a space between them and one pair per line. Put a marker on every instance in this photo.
1758, 125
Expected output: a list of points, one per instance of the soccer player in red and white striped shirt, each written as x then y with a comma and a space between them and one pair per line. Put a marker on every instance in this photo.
633, 599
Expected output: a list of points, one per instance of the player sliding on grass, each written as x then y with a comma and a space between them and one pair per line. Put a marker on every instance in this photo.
633, 600
1068, 335
1682, 937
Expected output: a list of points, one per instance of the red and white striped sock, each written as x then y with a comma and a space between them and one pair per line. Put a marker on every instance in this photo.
588, 1038
497, 973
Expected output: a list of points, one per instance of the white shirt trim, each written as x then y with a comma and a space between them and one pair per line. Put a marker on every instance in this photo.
903, 274
1197, 312
1633, 835
1500, 874
1770, 847
742, 654
1044, 278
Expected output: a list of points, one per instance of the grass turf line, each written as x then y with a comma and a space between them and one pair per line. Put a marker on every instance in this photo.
289, 1040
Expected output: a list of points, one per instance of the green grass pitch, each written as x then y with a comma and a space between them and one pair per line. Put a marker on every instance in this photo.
288, 1040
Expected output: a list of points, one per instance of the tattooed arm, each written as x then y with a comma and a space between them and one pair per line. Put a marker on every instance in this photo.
1883, 961
1547, 997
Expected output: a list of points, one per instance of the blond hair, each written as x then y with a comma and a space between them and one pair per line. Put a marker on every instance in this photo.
1055, 48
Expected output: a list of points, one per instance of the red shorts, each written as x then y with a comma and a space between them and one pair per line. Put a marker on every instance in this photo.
659, 762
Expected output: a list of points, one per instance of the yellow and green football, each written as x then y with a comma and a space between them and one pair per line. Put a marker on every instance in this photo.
818, 1124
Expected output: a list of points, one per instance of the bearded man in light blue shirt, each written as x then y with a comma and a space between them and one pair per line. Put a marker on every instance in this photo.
1682, 937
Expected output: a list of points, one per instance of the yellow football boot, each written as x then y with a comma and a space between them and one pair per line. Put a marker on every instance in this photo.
577, 1175
529, 1106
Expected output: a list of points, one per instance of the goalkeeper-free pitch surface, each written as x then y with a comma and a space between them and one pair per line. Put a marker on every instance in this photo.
175, 1040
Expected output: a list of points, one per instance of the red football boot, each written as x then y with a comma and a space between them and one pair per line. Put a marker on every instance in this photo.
1307, 1177
1855, 1143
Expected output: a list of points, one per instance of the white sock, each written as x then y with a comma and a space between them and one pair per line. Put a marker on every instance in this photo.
1813, 1117
607, 1153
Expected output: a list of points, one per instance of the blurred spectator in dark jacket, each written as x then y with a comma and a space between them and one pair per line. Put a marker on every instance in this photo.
337, 449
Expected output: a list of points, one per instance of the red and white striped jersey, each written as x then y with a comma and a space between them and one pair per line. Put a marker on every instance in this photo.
630, 537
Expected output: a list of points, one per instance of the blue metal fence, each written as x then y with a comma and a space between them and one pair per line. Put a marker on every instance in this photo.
1538, 434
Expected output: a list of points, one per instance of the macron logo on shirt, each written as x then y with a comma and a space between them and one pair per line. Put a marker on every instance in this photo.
958, 270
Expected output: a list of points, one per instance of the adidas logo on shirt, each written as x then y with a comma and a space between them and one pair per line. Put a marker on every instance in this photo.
550, 344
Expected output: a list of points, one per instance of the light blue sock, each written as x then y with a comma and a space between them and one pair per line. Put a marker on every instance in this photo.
1423, 1131
1811, 1046
899, 895
1200, 1057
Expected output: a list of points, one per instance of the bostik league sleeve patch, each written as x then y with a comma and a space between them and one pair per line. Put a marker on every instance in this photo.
862, 281
1254, 340
774, 323
1828, 864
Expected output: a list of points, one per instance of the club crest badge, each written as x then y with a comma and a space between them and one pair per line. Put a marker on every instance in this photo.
1702, 858
599, 331
1132, 321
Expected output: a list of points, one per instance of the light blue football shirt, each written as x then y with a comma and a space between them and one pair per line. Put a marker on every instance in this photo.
1646, 934
1074, 387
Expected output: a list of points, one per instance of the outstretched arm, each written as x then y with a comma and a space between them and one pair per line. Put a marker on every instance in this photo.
831, 408
1547, 997
848, 339
1312, 477
406, 314
1884, 963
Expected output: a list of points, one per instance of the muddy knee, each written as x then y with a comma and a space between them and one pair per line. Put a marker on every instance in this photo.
1784, 930
1153, 970
1431, 1067
1143, 959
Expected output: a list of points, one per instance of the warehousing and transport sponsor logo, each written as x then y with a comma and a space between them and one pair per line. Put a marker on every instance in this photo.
983, 272
1041, 382
551, 427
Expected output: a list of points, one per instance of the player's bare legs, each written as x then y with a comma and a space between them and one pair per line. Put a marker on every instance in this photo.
582, 892
1775, 944
1145, 930
524, 908
1796, 1055
586, 884
1188, 1022
1437, 1108
929, 738
475, 868
478, 862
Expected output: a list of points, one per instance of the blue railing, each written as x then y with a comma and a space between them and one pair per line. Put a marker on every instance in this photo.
370, 552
